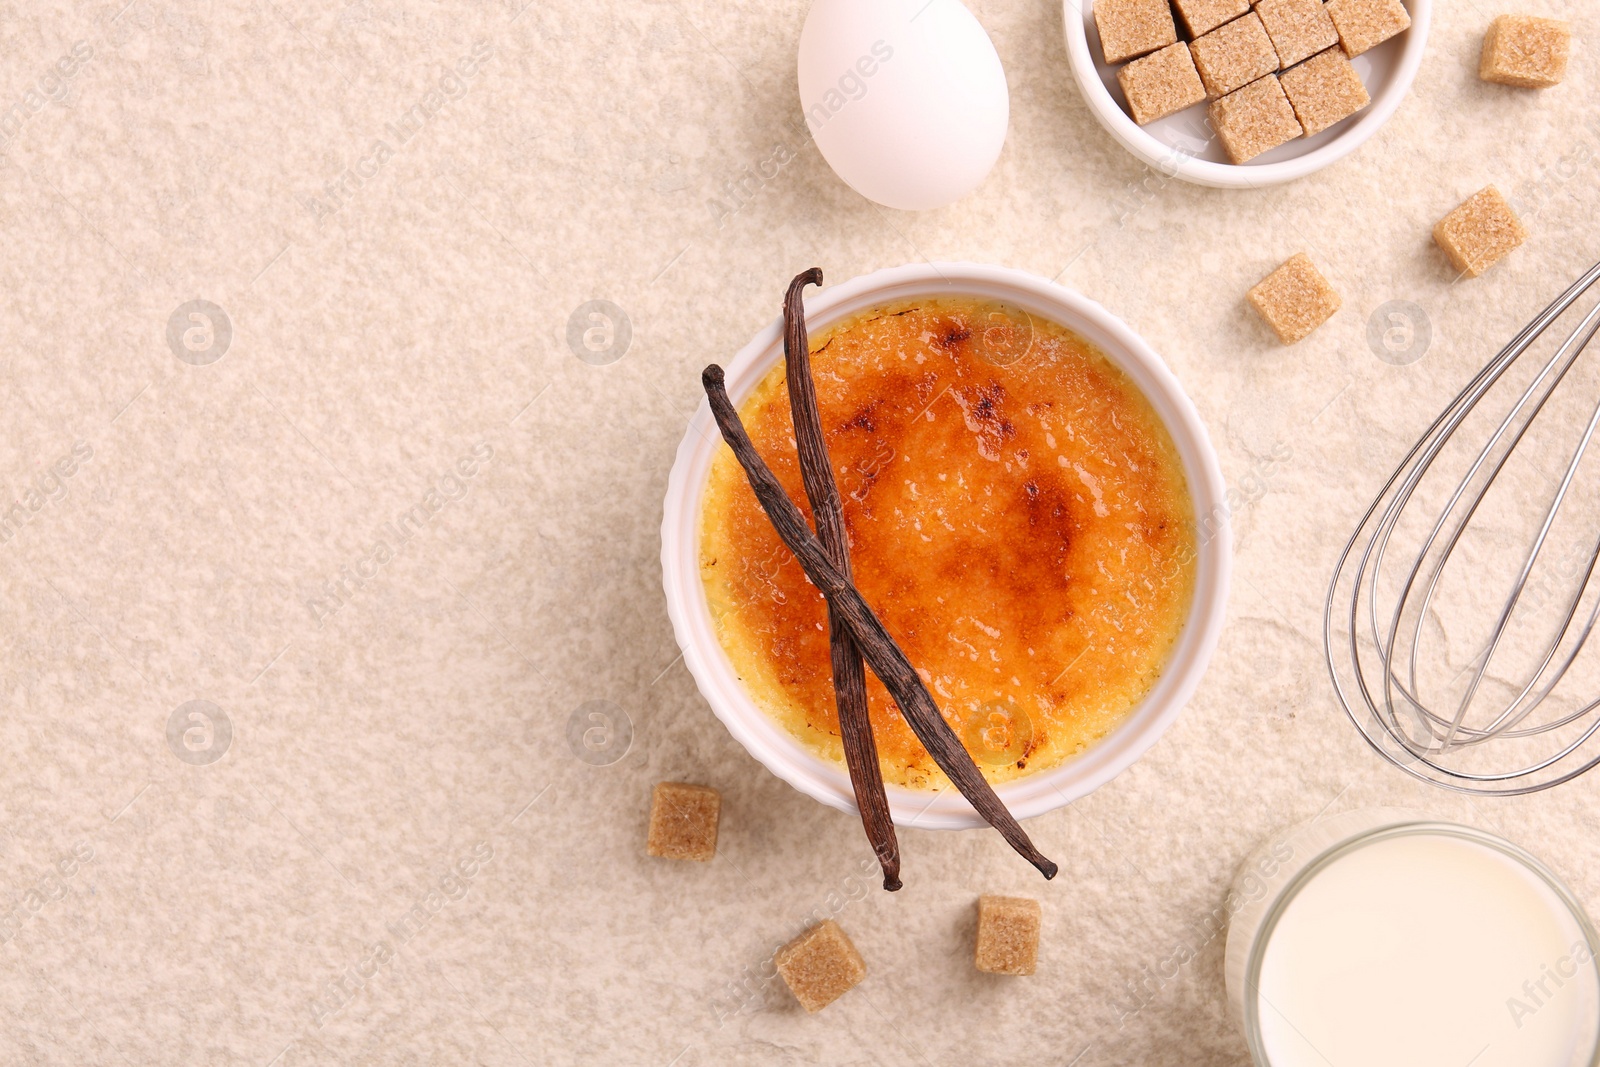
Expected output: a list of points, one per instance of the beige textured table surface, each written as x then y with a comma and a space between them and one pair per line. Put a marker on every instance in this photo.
399, 318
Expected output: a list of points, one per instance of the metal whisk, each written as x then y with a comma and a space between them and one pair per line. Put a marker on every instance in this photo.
1460, 609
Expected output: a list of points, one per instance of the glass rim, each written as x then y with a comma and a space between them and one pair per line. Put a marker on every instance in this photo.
1333, 853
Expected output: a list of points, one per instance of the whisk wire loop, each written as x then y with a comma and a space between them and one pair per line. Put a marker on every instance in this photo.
1378, 671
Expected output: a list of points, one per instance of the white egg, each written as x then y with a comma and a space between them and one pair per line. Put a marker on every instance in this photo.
906, 99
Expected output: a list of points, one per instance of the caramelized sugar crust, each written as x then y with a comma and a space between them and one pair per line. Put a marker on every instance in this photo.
1018, 518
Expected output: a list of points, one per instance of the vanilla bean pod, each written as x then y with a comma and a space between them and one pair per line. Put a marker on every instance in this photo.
827, 512
888, 662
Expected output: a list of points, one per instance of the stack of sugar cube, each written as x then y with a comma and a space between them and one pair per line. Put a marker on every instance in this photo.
1274, 70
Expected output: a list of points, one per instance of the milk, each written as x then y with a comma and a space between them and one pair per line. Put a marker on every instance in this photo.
1427, 949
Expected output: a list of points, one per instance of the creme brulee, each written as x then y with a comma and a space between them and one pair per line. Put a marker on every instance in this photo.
1018, 517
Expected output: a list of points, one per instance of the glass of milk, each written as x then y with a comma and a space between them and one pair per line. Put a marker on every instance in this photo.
1383, 939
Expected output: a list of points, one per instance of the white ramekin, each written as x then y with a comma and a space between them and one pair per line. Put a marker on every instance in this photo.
779, 751
1172, 148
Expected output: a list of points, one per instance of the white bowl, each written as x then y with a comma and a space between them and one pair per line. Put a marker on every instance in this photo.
1183, 145
1036, 793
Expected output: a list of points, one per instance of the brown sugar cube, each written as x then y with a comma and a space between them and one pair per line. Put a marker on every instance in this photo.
820, 966
1525, 51
1008, 935
1323, 90
1294, 299
1365, 23
1161, 83
1203, 16
1254, 119
1299, 29
1480, 232
1234, 55
683, 821
1131, 28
